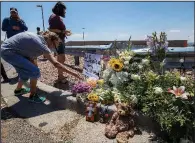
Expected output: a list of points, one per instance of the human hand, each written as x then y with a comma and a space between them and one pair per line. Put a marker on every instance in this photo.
15, 27
18, 17
68, 33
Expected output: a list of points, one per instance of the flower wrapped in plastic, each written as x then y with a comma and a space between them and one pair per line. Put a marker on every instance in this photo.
81, 87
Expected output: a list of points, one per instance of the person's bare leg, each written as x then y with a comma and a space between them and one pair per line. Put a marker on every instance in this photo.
33, 86
19, 86
61, 59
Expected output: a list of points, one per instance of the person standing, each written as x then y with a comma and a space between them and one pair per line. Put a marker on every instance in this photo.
57, 25
14, 24
15, 51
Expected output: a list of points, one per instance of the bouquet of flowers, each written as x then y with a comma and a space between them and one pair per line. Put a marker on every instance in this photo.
81, 87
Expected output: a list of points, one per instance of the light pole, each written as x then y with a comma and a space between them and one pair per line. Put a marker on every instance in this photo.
83, 36
42, 16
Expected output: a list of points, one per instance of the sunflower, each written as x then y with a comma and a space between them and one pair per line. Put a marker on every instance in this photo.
112, 61
117, 65
93, 97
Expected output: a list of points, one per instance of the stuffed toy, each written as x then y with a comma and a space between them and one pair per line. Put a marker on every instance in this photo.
91, 111
103, 114
121, 125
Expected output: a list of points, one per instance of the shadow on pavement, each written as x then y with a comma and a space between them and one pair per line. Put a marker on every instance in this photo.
26, 109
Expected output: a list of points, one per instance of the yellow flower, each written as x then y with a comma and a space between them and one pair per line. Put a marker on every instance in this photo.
117, 66
93, 97
111, 61
100, 82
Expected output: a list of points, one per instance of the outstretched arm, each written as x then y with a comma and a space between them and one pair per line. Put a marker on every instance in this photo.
60, 66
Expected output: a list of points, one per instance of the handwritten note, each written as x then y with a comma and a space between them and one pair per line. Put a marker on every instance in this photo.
92, 65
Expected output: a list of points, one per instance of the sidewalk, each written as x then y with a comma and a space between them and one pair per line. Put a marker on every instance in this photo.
62, 119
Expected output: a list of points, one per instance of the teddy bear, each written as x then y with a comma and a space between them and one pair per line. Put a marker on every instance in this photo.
121, 125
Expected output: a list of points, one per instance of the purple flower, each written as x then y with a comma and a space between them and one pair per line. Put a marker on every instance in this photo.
81, 88
157, 45
149, 39
150, 44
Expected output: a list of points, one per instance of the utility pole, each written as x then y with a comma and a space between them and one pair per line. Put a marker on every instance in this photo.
42, 16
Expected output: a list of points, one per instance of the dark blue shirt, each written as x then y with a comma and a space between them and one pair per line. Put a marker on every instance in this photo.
8, 23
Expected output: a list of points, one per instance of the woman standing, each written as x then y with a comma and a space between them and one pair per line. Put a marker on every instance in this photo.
56, 25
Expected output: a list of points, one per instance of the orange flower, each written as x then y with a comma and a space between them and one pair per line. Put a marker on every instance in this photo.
92, 82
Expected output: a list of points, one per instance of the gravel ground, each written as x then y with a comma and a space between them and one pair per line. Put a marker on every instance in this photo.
49, 72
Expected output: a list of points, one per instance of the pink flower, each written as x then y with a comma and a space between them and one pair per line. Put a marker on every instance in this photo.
179, 92
106, 58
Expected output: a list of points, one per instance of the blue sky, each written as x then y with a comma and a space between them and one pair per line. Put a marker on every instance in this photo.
113, 20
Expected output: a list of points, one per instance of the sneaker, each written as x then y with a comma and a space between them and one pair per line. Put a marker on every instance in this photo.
36, 99
21, 91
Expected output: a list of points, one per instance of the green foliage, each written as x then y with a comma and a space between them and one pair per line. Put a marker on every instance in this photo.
151, 91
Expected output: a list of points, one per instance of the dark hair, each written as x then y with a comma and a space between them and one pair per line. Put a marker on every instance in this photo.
58, 9
14, 9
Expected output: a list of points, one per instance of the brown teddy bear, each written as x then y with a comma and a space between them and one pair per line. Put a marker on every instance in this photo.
121, 125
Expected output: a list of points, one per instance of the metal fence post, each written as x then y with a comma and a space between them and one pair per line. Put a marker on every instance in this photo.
76, 60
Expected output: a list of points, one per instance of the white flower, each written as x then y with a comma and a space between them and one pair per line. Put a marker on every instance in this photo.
134, 99
140, 66
118, 78
122, 76
126, 62
182, 78
106, 73
158, 90
127, 58
135, 77
114, 80
145, 61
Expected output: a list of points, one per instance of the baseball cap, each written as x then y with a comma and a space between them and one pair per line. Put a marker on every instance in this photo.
13, 9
